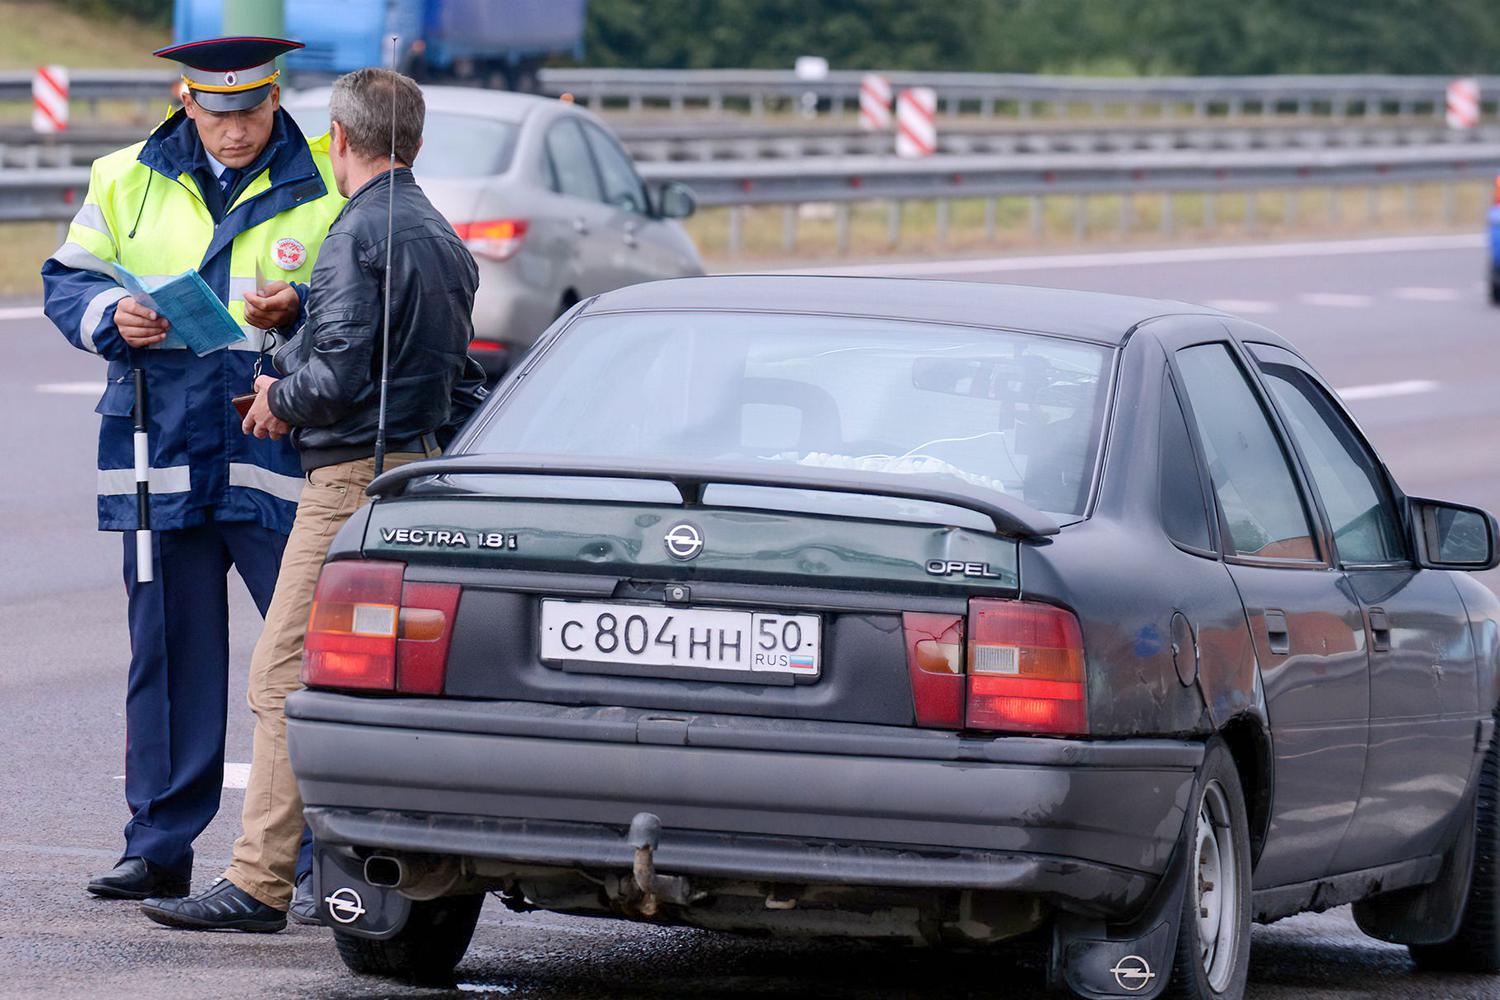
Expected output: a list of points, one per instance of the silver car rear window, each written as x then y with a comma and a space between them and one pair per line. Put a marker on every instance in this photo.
1018, 413
453, 145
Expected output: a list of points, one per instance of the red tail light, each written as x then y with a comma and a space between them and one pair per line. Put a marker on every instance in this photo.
935, 661
369, 630
1497, 190
497, 239
1026, 669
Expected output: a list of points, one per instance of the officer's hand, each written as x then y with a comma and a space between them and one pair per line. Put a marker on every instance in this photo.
260, 421
275, 305
138, 325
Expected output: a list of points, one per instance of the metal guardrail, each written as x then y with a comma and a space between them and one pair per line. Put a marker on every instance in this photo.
983, 93
1026, 94
54, 194
690, 140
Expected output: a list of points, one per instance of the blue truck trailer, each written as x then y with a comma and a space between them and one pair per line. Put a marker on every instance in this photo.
496, 43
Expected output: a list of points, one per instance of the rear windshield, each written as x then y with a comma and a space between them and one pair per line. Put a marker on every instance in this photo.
1011, 412
453, 145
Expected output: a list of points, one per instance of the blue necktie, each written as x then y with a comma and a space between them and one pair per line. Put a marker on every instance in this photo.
227, 180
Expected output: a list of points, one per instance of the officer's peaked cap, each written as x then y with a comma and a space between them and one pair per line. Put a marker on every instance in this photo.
229, 74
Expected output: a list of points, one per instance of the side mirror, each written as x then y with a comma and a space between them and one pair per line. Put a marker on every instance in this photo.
675, 200
1453, 536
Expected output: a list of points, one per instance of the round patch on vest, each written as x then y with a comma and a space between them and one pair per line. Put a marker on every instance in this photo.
289, 253
231, 78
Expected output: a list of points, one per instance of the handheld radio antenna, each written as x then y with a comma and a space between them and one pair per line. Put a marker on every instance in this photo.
385, 325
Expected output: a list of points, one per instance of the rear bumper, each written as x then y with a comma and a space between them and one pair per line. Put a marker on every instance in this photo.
1089, 825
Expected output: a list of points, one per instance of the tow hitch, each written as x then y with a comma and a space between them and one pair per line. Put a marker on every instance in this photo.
652, 888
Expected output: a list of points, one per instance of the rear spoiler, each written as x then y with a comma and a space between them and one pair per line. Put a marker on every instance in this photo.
1009, 515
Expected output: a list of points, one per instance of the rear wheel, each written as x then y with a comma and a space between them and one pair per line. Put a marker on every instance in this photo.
1495, 291
425, 951
1213, 942
1476, 945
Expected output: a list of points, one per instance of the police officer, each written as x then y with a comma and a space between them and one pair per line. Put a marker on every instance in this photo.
227, 186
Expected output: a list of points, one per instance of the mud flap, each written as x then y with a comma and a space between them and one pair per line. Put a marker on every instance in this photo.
349, 904
1099, 960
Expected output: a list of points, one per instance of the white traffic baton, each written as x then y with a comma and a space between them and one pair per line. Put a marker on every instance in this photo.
143, 557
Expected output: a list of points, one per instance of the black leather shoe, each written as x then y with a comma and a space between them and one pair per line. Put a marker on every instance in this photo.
304, 908
137, 878
222, 907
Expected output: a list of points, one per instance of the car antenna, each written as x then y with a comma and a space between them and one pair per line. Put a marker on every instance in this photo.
385, 325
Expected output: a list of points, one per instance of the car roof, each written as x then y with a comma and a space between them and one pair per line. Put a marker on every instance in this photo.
1095, 316
502, 105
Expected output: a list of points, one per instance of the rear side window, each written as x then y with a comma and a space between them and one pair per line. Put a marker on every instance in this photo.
1349, 480
1183, 514
1252, 477
572, 167
622, 188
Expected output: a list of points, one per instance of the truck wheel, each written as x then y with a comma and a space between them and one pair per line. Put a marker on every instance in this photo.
1476, 945
1213, 941
425, 951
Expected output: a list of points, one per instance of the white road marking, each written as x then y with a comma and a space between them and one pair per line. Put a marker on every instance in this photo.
1381, 390
1335, 300
21, 312
1419, 294
236, 775
1129, 258
1244, 307
71, 388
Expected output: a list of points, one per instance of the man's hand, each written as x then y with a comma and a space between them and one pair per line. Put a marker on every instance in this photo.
275, 305
260, 421
138, 325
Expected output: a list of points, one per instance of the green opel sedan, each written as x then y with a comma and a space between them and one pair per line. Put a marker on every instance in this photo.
929, 613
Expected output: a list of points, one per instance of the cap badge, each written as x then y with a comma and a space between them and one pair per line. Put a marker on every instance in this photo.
288, 253
231, 78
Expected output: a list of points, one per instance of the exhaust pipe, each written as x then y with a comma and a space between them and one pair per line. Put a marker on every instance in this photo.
384, 871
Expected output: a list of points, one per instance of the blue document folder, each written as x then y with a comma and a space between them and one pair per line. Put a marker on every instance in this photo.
198, 319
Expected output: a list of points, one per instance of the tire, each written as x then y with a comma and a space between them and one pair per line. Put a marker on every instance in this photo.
1213, 940
424, 952
1476, 945
1495, 292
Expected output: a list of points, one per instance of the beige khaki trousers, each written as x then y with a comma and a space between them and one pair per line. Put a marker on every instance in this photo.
265, 855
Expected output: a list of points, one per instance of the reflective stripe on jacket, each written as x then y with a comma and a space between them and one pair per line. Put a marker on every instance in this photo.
144, 210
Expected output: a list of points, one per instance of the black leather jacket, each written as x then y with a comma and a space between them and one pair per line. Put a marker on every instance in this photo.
331, 391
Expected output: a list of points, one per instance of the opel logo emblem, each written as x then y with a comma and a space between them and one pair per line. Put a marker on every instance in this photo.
345, 905
1133, 973
684, 541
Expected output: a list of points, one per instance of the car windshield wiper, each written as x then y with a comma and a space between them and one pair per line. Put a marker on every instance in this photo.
1009, 515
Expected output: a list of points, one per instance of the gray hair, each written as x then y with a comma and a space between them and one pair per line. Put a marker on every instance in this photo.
361, 103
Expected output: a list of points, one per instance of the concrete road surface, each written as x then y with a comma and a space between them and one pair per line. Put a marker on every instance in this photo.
1402, 326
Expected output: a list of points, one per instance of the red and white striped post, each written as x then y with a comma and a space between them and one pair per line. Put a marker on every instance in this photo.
874, 103
1463, 103
916, 129
49, 99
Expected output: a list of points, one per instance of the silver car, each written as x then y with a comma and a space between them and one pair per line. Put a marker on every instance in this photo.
546, 198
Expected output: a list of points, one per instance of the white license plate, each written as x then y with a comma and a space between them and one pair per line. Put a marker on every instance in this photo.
648, 635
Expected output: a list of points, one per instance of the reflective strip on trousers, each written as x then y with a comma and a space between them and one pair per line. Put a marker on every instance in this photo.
172, 479
254, 477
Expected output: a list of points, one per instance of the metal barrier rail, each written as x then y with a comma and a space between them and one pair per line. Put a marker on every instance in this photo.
989, 93
704, 140
54, 194
984, 93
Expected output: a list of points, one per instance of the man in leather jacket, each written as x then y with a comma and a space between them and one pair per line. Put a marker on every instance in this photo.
329, 402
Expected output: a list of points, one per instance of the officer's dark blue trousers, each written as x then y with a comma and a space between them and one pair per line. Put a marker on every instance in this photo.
177, 698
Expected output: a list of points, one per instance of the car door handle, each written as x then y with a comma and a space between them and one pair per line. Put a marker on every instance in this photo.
1277, 636
1380, 631
629, 235
580, 227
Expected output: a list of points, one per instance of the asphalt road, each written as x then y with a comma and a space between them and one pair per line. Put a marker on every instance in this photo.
1403, 326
